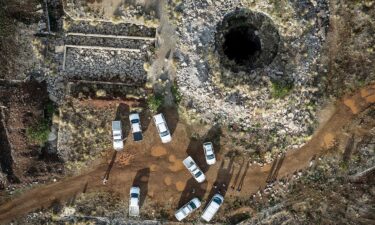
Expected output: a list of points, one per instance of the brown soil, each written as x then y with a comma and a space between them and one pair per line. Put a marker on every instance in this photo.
158, 151
22, 110
219, 176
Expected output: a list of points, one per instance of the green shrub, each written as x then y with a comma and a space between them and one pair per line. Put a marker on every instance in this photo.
176, 94
39, 132
154, 102
280, 89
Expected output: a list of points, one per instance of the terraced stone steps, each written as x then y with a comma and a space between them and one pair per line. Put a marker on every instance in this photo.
106, 65
108, 42
107, 28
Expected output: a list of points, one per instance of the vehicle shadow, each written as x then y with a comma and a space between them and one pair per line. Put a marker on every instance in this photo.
214, 136
224, 176
172, 117
192, 189
146, 117
195, 147
122, 114
141, 180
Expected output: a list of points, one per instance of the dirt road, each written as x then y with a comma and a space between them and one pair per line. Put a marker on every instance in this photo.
158, 170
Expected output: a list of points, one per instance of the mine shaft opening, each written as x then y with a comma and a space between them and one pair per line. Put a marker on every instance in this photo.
246, 40
242, 44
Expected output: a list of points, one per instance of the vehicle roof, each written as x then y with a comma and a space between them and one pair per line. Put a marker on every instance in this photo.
212, 208
135, 190
136, 127
208, 146
162, 127
134, 116
116, 125
159, 118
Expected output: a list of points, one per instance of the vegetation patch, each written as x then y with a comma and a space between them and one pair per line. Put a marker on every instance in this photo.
154, 102
280, 89
177, 96
38, 133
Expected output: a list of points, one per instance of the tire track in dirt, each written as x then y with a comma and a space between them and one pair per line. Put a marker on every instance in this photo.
255, 179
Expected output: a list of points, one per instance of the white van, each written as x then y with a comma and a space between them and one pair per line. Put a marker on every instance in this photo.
212, 207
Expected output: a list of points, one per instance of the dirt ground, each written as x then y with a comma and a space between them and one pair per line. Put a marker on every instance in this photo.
157, 168
21, 158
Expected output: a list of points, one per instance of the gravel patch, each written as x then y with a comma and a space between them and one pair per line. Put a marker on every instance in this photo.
108, 42
124, 29
105, 65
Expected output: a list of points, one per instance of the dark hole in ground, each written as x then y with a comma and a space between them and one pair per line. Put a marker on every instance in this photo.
241, 44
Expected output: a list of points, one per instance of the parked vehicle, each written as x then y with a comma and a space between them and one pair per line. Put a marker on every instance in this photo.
134, 201
162, 127
212, 207
187, 209
118, 143
194, 169
135, 123
209, 153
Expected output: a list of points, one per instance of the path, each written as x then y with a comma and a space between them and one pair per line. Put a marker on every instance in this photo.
255, 177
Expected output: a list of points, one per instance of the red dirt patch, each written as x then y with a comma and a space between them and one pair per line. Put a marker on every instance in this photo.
158, 151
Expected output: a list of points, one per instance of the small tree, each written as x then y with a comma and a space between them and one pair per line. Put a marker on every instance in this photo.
154, 102
176, 94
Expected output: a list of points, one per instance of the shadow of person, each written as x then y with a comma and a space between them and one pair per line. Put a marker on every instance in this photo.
141, 180
239, 188
238, 175
192, 189
109, 168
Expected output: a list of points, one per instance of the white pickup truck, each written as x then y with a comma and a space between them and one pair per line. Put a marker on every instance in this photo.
118, 143
194, 169
134, 201
187, 209
212, 207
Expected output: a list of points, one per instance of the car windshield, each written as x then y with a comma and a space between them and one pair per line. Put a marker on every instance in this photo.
192, 205
134, 121
134, 195
217, 200
163, 134
210, 157
198, 174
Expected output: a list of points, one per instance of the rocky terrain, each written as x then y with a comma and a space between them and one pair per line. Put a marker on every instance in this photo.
283, 88
334, 190
245, 100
